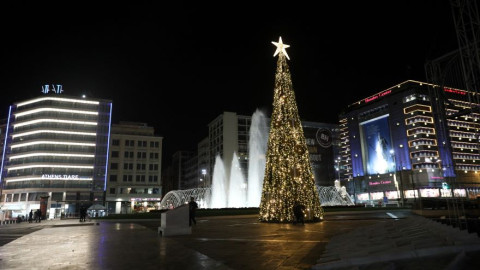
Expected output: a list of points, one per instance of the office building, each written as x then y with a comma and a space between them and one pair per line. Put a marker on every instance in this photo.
55, 154
411, 140
134, 176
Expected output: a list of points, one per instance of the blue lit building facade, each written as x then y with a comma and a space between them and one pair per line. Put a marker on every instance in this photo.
405, 143
55, 155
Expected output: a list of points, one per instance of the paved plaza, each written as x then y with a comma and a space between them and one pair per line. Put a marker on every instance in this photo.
241, 242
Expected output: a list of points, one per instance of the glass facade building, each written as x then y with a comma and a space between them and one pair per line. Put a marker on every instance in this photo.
55, 155
413, 140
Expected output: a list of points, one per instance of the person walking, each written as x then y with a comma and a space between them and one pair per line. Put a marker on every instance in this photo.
38, 216
83, 214
30, 216
299, 212
192, 207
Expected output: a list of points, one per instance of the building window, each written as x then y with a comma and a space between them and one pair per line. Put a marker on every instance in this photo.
141, 154
128, 154
112, 190
116, 142
113, 178
114, 166
125, 178
129, 143
114, 154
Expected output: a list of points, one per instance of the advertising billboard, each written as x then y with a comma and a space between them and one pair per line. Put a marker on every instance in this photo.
377, 146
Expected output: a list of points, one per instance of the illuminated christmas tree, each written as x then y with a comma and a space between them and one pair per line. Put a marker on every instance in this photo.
288, 173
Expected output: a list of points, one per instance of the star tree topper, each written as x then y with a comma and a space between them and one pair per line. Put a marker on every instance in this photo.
281, 48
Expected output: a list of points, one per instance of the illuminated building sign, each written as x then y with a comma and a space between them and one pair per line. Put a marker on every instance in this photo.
377, 96
455, 91
375, 183
324, 137
54, 88
59, 176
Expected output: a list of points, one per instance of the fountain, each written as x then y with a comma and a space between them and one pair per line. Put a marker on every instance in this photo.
256, 158
235, 190
240, 193
237, 187
218, 198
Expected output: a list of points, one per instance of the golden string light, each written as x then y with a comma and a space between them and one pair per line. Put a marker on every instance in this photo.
288, 173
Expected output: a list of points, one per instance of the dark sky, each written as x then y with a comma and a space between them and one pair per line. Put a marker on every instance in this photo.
178, 66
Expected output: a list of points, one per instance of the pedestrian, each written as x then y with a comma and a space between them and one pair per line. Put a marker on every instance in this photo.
299, 212
82, 213
39, 216
30, 216
192, 207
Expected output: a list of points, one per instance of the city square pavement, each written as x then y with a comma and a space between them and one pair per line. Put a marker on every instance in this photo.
241, 242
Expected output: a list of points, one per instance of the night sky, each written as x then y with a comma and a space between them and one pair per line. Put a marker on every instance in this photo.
178, 66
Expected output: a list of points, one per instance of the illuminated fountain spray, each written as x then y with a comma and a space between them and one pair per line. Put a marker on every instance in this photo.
256, 158
237, 194
242, 192
219, 191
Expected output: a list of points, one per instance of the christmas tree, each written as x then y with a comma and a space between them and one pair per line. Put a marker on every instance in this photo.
288, 178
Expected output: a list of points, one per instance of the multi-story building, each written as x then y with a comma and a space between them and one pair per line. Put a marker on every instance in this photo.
134, 175
230, 133
54, 154
411, 140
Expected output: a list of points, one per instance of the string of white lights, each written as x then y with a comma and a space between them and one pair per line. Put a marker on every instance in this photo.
37, 110
14, 168
17, 145
44, 178
36, 121
57, 99
23, 134
46, 154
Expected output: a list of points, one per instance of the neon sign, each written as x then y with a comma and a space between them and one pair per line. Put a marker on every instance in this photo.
55, 88
454, 91
377, 96
59, 176
379, 183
